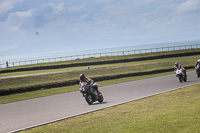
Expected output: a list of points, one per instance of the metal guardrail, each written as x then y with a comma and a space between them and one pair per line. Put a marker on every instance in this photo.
118, 53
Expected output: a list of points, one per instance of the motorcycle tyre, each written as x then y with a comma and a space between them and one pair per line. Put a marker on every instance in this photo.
198, 73
100, 100
180, 79
185, 79
88, 99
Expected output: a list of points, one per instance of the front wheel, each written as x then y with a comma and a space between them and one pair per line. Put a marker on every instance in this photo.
88, 99
180, 79
100, 100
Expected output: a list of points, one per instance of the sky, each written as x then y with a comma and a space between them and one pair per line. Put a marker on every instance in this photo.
43, 26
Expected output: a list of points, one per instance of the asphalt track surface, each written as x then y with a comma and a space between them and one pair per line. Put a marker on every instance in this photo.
17, 116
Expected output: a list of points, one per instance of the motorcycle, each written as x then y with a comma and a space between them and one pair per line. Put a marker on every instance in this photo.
90, 97
198, 70
181, 75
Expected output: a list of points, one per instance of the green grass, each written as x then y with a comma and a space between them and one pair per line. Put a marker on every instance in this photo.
176, 111
96, 71
37, 94
171, 60
88, 60
170, 112
54, 91
60, 90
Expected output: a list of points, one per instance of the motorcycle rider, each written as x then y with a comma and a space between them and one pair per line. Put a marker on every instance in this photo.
178, 66
90, 82
198, 62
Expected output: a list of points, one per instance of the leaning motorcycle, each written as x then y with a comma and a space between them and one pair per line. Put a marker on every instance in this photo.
198, 70
181, 75
86, 90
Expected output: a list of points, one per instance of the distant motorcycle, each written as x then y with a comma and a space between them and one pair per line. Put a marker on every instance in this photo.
181, 75
198, 70
86, 90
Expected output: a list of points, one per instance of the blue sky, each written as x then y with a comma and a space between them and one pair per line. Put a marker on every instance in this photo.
30, 27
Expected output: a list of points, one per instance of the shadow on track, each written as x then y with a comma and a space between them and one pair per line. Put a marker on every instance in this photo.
97, 103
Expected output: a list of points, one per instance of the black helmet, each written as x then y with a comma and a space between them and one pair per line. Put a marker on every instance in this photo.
82, 77
176, 64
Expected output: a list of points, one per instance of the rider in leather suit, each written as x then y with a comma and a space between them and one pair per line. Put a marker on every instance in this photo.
178, 66
90, 82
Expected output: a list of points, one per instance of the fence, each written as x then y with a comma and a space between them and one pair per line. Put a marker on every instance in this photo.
74, 57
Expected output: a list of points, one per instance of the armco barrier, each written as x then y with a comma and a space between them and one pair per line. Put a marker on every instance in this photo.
101, 62
66, 58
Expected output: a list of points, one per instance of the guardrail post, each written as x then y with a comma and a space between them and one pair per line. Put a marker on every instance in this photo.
7, 64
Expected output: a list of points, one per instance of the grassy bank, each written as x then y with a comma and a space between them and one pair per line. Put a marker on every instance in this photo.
93, 60
97, 71
175, 111
60, 90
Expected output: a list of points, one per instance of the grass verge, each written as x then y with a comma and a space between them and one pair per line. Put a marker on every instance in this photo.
97, 71
60, 90
49, 66
175, 111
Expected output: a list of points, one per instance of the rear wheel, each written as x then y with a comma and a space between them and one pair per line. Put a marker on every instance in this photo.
185, 79
88, 99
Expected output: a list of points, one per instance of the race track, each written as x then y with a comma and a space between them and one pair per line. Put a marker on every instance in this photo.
29, 113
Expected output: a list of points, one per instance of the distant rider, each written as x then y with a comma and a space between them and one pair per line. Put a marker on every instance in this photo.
90, 82
198, 63
178, 66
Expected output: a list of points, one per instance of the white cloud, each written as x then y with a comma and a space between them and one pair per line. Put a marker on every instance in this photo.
7, 5
58, 8
102, 20
104, 1
75, 8
18, 19
8, 47
189, 6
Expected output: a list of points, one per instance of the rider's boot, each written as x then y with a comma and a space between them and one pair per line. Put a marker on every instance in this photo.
95, 93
